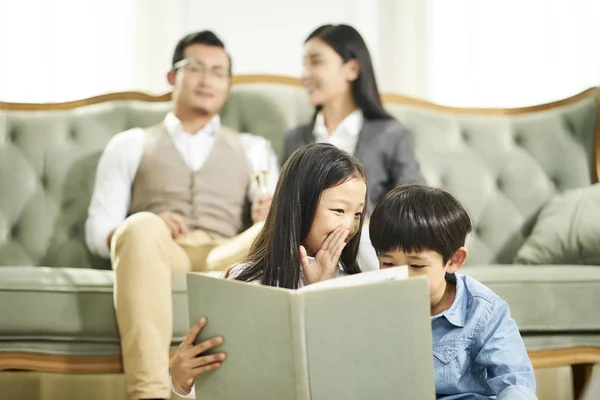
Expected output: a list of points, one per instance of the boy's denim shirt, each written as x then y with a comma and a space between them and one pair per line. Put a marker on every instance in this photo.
478, 352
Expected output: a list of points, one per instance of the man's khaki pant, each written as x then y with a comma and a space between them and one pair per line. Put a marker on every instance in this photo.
144, 255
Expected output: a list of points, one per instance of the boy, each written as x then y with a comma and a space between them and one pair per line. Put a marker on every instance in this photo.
478, 351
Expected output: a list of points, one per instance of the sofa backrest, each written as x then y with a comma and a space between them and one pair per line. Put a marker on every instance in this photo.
502, 164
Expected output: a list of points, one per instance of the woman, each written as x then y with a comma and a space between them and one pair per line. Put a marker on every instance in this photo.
338, 75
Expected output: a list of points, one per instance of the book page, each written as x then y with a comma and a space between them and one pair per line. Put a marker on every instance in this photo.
364, 278
370, 341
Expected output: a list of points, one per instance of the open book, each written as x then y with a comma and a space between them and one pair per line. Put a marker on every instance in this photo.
363, 336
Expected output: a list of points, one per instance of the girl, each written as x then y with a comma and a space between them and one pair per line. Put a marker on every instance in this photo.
338, 75
312, 233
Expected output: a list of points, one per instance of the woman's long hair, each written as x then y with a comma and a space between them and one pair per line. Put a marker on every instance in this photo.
347, 42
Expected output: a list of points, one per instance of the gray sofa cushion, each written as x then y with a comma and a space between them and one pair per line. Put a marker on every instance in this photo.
567, 230
557, 341
546, 298
68, 310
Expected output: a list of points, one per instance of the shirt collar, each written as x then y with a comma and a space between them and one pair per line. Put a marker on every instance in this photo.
457, 313
350, 125
174, 127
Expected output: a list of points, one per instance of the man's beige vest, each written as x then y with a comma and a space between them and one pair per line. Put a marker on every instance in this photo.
213, 199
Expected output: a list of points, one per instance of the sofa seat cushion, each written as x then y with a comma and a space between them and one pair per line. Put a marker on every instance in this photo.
68, 310
546, 299
539, 342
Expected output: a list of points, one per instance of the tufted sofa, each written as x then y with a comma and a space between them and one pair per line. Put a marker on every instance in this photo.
56, 312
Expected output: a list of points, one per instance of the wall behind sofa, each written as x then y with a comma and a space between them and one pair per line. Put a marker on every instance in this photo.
457, 52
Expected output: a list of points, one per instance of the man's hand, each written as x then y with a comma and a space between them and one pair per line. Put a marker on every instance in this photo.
175, 223
260, 208
188, 361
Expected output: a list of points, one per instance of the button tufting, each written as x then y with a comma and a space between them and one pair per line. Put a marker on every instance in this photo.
479, 231
519, 139
500, 183
569, 126
14, 232
12, 135
444, 180
44, 181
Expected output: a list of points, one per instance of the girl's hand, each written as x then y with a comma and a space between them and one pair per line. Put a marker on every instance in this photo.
325, 264
188, 362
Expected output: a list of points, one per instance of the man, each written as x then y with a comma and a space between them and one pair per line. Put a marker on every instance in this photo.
173, 198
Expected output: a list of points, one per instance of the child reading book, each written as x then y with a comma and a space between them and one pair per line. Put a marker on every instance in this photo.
311, 234
477, 349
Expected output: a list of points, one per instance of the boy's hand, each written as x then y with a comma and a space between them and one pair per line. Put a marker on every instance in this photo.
188, 362
325, 264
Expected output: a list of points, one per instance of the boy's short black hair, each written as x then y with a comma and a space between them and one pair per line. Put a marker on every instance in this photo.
207, 38
416, 218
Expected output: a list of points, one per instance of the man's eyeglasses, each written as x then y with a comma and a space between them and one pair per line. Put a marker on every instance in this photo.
195, 67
